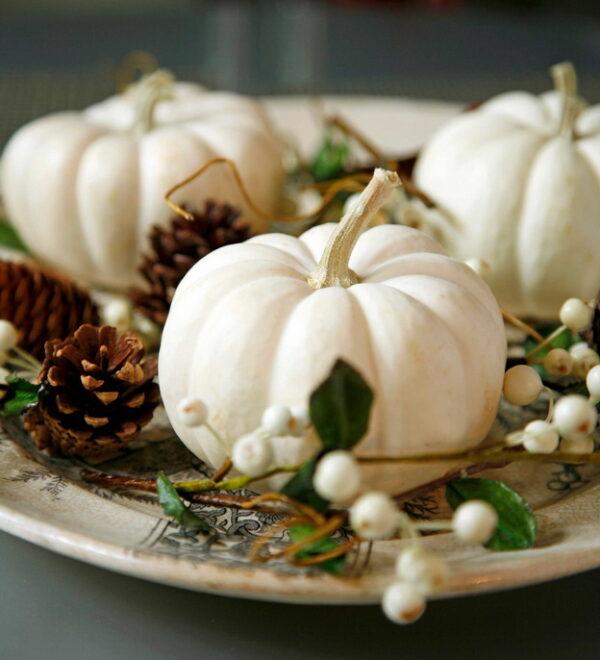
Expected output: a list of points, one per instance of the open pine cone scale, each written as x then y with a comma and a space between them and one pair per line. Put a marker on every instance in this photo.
176, 248
97, 393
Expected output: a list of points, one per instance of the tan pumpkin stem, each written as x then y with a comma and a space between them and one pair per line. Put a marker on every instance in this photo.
150, 90
565, 82
134, 66
334, 269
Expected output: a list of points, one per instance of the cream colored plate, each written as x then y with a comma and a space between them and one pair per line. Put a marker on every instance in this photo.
46, 502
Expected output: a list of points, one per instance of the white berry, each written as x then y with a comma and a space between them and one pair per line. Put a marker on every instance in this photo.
276, 420
575, 416
403, 602
593, 382
252, 454
192, 412
577, 445
578, 349
421, 568
8, 335
374, 516
558, 362
575, 314
585, 360
117, 313
475, 521
522, 385
300, 419
338, 476
540, 437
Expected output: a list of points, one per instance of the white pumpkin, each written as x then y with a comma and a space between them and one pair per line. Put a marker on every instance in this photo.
262, 322
520, 179
84, 188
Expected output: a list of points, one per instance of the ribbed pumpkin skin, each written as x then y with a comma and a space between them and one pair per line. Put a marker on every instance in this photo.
246, 330
83, 189
522, 197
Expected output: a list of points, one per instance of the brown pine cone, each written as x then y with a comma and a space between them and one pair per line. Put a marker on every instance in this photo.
41, 306
97, 393
176, 248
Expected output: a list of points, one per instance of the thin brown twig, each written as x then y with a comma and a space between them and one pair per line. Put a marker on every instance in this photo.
230, 501
338, 551
441, 481
521, 325
303, 509
255, 553
334, 523
358, 136
222, 471
118, 481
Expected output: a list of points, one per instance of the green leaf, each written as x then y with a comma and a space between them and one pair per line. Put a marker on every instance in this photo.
340, 407
335, 565
300, 487
331, 158
175, 507
9, 237
517, 526
22, 394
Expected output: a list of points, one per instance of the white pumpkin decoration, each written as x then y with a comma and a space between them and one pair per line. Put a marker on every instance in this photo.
262, 322
84, 188
520, 179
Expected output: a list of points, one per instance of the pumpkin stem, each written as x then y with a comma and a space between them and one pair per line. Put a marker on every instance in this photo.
333, 269
565, 83
150, 90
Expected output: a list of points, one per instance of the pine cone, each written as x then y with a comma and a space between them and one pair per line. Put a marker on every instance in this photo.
41, 306
175, 249
97, 393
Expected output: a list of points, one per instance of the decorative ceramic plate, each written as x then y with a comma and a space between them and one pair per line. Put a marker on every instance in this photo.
46, 501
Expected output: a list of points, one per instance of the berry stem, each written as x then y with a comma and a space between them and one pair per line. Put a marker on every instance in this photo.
333, 269
28, 358
433, 525
546, 342
233, 483
485, 456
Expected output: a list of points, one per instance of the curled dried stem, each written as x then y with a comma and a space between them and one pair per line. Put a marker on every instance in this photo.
348, 183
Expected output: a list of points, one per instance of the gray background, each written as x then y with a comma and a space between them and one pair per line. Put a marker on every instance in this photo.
57, 54
59, 609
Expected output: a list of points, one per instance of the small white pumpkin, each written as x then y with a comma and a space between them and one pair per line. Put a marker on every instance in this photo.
84, 188
262, 322
520, 179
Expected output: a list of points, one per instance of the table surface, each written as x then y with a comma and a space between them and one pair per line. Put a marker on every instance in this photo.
54, 607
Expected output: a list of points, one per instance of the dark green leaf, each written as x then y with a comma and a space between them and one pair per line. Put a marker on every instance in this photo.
335, 565
517, 526
9, 237
300, 487
175, 507
340, 407
22, 394
331, 158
